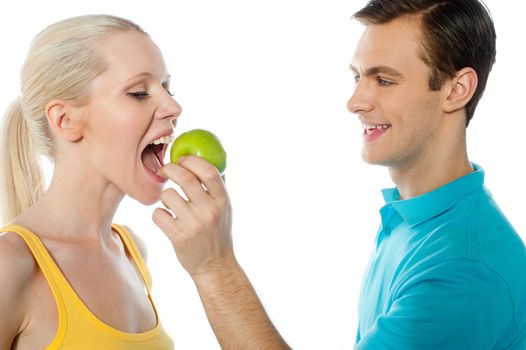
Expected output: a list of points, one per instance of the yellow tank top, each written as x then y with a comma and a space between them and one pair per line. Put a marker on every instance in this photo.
78, 327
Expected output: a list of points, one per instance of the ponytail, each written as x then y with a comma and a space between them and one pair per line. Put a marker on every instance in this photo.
21, 174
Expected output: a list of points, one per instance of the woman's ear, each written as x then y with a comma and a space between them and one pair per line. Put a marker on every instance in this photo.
460, 90
65, 120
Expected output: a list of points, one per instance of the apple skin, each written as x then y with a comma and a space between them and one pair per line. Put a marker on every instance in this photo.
200, 143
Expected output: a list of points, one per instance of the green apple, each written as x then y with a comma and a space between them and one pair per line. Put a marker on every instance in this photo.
200, 143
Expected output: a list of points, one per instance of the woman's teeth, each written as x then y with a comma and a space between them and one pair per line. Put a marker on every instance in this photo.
163, 140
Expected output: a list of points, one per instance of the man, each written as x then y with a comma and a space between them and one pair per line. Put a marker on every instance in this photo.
447, 269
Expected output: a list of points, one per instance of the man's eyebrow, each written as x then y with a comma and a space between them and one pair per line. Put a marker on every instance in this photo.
379, 69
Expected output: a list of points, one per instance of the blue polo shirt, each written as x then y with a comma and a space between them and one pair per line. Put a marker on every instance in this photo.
448, 272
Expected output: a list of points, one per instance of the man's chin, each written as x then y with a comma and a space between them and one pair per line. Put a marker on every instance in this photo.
370, 158
375, 159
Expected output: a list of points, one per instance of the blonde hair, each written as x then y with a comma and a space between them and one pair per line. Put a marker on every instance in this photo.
61, 63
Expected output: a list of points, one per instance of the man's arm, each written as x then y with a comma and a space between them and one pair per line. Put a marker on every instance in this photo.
200, 231
457, 304
235, 312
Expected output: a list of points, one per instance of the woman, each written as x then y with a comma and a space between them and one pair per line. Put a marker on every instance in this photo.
95, 99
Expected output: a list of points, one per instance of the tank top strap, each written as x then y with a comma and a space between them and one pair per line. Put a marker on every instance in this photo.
135, 254
39, 251
47, 265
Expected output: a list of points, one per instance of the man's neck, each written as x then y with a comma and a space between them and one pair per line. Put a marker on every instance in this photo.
429, 174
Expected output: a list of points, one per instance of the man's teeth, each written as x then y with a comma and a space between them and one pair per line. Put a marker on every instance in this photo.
384, 126
164, 140
369, 129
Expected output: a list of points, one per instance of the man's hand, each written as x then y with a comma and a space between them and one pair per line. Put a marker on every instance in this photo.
200, 226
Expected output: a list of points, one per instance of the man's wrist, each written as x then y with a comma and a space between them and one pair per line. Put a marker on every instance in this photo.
223, 271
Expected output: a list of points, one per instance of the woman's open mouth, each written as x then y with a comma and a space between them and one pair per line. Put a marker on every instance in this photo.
153, 155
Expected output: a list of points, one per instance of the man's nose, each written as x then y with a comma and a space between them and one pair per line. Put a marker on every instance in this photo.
361, 100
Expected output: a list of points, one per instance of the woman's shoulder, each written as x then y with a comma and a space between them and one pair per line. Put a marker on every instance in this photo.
16, 260
138, 242
17, 268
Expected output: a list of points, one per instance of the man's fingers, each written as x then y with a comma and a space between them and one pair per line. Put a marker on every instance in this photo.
175, 202
207, 174
164, 219
188, 181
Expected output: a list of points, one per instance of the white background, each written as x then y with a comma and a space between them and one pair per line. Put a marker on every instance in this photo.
271, 78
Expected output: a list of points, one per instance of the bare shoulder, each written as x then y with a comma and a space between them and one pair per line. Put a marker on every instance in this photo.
139, 242
17, 264
17, 268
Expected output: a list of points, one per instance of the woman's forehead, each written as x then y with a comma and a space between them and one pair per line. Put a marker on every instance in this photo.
128, 54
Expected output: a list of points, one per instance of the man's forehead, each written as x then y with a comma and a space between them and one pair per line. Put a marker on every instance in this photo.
392, 44
391, 35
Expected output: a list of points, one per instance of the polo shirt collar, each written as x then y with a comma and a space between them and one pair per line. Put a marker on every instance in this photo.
428, 205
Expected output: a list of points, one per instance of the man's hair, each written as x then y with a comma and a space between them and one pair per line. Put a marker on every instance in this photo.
455, 34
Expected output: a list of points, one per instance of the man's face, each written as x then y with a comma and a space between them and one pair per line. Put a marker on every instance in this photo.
400, 114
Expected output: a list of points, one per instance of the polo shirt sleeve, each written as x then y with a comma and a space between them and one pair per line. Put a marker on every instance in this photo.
457, 304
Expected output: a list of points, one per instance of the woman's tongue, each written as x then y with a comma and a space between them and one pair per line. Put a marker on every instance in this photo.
150, 160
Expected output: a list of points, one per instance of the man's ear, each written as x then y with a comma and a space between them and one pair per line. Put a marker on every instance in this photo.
460, 90
65, 120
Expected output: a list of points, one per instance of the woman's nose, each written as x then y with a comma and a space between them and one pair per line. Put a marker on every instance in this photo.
169, 109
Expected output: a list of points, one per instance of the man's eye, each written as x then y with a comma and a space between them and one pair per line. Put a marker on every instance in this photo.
356, 79
139, 95
384, 82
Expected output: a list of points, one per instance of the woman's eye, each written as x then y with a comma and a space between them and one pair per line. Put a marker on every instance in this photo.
139, 95
356, 79
169, 92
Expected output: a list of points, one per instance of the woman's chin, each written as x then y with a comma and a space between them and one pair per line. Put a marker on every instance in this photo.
147, 199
